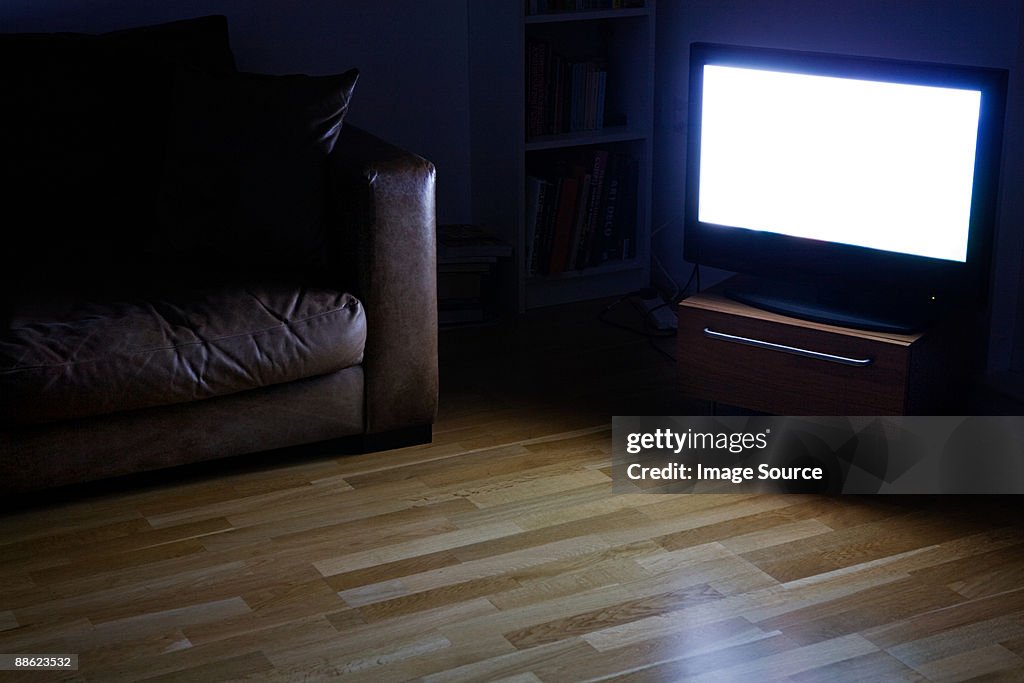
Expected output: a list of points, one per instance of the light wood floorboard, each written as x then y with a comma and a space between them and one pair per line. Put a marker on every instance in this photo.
499, 553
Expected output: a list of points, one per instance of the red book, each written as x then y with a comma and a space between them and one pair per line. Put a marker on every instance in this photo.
565, 221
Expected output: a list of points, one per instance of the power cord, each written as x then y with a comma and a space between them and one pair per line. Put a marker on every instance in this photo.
677, 293
649, 329
694, 275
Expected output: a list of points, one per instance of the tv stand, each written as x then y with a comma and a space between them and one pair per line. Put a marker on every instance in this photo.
736, 354
873, 311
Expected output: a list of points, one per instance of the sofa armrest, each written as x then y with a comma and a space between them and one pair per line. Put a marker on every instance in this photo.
382, 205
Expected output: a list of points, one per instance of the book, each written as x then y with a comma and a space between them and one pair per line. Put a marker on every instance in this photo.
627, 213
601, 247
545, 227
578, 96
582, 204
555, 122
536, 87
561, 235
597, 174
590, 105
457, 241
536, 191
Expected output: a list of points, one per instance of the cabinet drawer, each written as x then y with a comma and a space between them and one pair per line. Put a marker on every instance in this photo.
789, 369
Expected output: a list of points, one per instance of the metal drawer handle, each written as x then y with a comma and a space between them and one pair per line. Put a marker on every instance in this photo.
843, 360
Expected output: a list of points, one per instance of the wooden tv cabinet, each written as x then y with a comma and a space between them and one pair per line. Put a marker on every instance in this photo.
734, 354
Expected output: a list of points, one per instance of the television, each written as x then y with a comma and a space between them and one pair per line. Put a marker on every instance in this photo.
857, 191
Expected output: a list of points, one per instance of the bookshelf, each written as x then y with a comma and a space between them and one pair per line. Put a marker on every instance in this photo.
564, 100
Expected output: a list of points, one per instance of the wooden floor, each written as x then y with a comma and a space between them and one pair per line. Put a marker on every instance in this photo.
499, 553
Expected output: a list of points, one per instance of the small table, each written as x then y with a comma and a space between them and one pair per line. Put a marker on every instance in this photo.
735, 354
468, 258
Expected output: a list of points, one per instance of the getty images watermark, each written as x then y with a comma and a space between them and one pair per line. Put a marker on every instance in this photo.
818, 454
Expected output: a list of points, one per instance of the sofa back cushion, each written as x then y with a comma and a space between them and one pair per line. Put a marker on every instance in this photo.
82, 142
243, 187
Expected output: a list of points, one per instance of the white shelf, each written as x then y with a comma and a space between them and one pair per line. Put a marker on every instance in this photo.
601, 136
563, 289
603, 269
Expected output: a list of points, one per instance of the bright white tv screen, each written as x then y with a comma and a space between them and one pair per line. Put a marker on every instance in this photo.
881, 165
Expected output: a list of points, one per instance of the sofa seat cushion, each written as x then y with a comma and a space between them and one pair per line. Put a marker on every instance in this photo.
65, 360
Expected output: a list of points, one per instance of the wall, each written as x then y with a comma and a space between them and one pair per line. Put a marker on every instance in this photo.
418, 95
982, 32
413, 88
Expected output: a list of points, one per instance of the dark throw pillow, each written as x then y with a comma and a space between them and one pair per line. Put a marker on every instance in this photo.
82, 135
243, 187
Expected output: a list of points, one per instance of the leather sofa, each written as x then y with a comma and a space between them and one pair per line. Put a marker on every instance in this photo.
200, 263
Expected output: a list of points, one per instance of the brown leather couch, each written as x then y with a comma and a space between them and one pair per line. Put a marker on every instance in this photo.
148, 320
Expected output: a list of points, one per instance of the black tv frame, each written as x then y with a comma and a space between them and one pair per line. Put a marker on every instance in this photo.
823, 278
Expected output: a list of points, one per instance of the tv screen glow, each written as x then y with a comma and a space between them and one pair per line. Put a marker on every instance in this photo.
883, 165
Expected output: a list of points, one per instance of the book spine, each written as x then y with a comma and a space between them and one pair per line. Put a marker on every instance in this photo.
628, 198
582, 203
563, 225
556, 94
579, 84
536, 68
546, 227
597, 175
604, 239
535, 192
567, 94
591, 98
